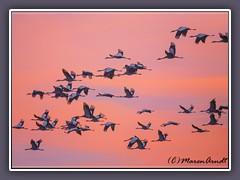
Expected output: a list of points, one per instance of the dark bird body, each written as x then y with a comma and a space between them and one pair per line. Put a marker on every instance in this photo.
171, 53
200, 37
161, 137
35, 145
119, 55
199, 130
181, 31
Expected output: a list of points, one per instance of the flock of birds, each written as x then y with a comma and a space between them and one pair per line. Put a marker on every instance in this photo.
44, 122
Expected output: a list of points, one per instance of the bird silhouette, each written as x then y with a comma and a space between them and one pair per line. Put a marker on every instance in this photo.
108, 73
73, 96
170, 123
105, 95
58, 92
145, 111
200, 37
144, 127
129, 93
35, 145
130, 70
69, 76
141, 66
68, 88
86, 128
199, 130
213, 121
37, 92
86, 74
119, 55
224, 38
42, 127
187, 111
171, 53
89, 113
181, 31
213, 108
161, 137
75, 129
84, 89
109, 124
19, 125
43, 117
71, 124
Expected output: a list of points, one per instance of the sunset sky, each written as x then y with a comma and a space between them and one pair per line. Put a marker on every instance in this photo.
45, 42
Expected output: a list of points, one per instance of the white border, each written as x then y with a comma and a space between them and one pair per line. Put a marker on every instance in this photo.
118, 10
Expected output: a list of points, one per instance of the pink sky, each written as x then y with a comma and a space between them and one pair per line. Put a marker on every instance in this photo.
44, 43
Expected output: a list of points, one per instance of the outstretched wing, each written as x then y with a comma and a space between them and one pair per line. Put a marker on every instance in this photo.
86, 110
106, 127
197, 128
127, 92
40, 125
191, 108
213, 105
132, 142
45, 114
178, 34
140, 124
160, 135
92, 108
222, 107
86, 91
183, 108
34, 145
113, 126
66, 74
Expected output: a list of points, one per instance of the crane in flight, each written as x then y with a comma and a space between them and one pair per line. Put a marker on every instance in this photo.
181, 31
171, 53
170, 123
213, 108
35, 92
161, 137
145, 111
129, 93
187, 111
108, 72
200, 37
224, 38
35, 145
42, 127
83, 89
213, 121
119, 55
75, 129
67, 88
43, 117
109, 124
198, 130
105, 95
141, 66
58, 92
68, 76
86, 74
141, 144
130, 70
71, 124
144, 127
89, 113
19, 125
